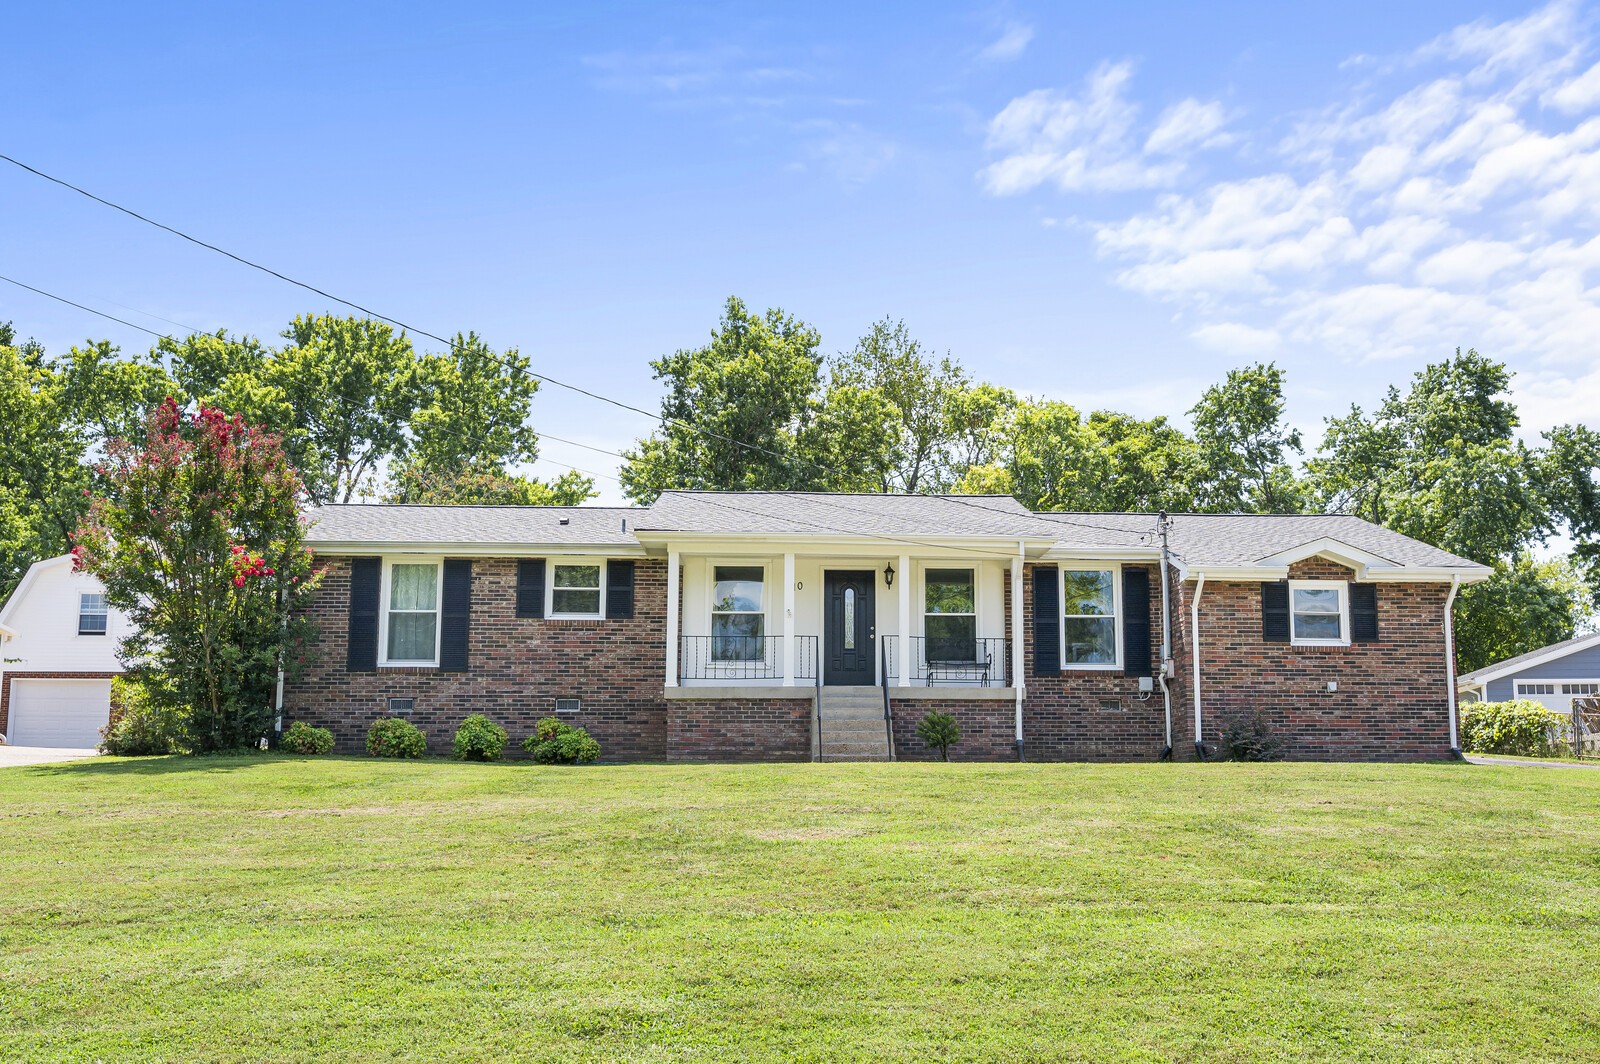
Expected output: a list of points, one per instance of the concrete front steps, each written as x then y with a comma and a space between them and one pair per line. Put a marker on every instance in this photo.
852, 724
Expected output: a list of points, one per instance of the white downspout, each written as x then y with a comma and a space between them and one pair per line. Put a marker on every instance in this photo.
1166, 643
1450, 658
1017, 680
671, 678
1194, 647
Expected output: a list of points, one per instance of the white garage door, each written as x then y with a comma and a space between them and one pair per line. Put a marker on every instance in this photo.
67, 713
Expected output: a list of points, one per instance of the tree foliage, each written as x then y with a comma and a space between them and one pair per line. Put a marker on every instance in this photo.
196, 535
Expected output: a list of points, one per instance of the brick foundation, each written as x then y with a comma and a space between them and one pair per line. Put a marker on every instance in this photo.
988, 728
739, 729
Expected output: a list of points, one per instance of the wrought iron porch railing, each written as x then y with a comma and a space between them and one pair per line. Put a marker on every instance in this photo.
744, 657
951, 662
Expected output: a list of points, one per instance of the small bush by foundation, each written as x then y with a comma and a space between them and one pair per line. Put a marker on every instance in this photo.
302, 738
555, 742
393, 737
940, 731
479, 739
1252, 739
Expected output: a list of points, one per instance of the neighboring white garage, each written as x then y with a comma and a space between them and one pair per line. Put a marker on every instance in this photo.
62, 713
58, 652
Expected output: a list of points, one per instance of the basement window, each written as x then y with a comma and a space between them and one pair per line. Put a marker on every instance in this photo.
400, 707
569, 705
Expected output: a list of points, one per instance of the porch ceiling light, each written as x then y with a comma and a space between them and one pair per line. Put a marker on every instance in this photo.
888, 575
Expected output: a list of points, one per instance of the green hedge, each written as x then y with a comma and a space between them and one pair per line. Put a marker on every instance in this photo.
1518, 727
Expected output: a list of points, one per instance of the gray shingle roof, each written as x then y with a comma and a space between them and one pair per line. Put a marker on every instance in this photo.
833, 513
1197, 540
1577, 642
478, 525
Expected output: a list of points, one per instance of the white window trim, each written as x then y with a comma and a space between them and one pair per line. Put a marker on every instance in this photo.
1115, 569
550, 589
1341, 586
437, 561
711, 610
78, 620
977, 600
1517, 686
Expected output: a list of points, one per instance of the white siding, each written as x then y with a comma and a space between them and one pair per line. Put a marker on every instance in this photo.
45, 618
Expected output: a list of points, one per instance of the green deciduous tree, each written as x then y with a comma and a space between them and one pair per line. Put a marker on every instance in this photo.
1246, 450
734, 411
196, 535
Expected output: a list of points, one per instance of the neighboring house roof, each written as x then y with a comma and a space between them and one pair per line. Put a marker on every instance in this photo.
841, 513
24, 585
384, 524
1528, 660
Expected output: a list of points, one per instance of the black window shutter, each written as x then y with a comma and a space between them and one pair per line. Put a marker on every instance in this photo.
361, 646
455, 619
1364, 613
530, 587
1275, 612
1136, 622
1046, 621
619, 589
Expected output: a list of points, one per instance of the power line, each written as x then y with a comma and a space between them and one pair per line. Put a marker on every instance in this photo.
901, 540
661, 419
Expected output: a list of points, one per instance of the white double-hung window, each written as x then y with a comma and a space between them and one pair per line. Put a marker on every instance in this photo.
1319, 613
1090, 603
738, 613
576, 590
92, 613
411, 613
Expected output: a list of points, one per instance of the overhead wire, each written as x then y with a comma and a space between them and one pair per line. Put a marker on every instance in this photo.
660, 418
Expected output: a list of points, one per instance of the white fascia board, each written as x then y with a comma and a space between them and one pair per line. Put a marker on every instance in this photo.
1327, 546
1494, 672
1391, 574
27, 582
812, 543
1102, 554
479, 550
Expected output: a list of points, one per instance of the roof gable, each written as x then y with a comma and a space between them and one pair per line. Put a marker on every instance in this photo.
1553, 652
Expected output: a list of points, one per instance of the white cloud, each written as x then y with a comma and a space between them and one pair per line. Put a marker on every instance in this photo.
1186, 125
1086, 142
1453, 205
1011, 43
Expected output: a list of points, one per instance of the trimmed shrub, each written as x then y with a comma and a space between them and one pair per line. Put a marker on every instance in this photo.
1520, 727
302, 738
140, 724
555, 742
393, 737
1252, 739
479, 739
940, 731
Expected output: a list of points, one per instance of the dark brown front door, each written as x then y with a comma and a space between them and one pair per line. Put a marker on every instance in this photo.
849, 627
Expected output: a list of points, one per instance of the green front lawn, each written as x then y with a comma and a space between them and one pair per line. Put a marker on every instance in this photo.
274, 909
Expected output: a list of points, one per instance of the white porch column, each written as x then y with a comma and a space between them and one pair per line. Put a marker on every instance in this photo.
789, 634
904, 648
1017, 679
672, 618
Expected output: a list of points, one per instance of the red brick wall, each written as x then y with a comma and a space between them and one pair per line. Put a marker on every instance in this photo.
988, 728
1393, 697
1092, 715
5, 688
739, 729
519, 666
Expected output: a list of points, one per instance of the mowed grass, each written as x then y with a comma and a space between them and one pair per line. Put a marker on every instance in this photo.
276, 909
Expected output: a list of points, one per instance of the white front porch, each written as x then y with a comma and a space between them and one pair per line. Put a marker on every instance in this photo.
741, 616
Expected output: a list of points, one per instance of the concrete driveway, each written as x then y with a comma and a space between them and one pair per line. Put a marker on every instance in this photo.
41, 755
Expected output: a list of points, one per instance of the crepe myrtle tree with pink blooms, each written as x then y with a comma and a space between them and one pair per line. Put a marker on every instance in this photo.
197, 535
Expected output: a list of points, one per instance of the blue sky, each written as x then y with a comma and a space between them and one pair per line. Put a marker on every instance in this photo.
1108, 204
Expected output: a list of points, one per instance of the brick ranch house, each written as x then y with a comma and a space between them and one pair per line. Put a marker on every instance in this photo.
796, 626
